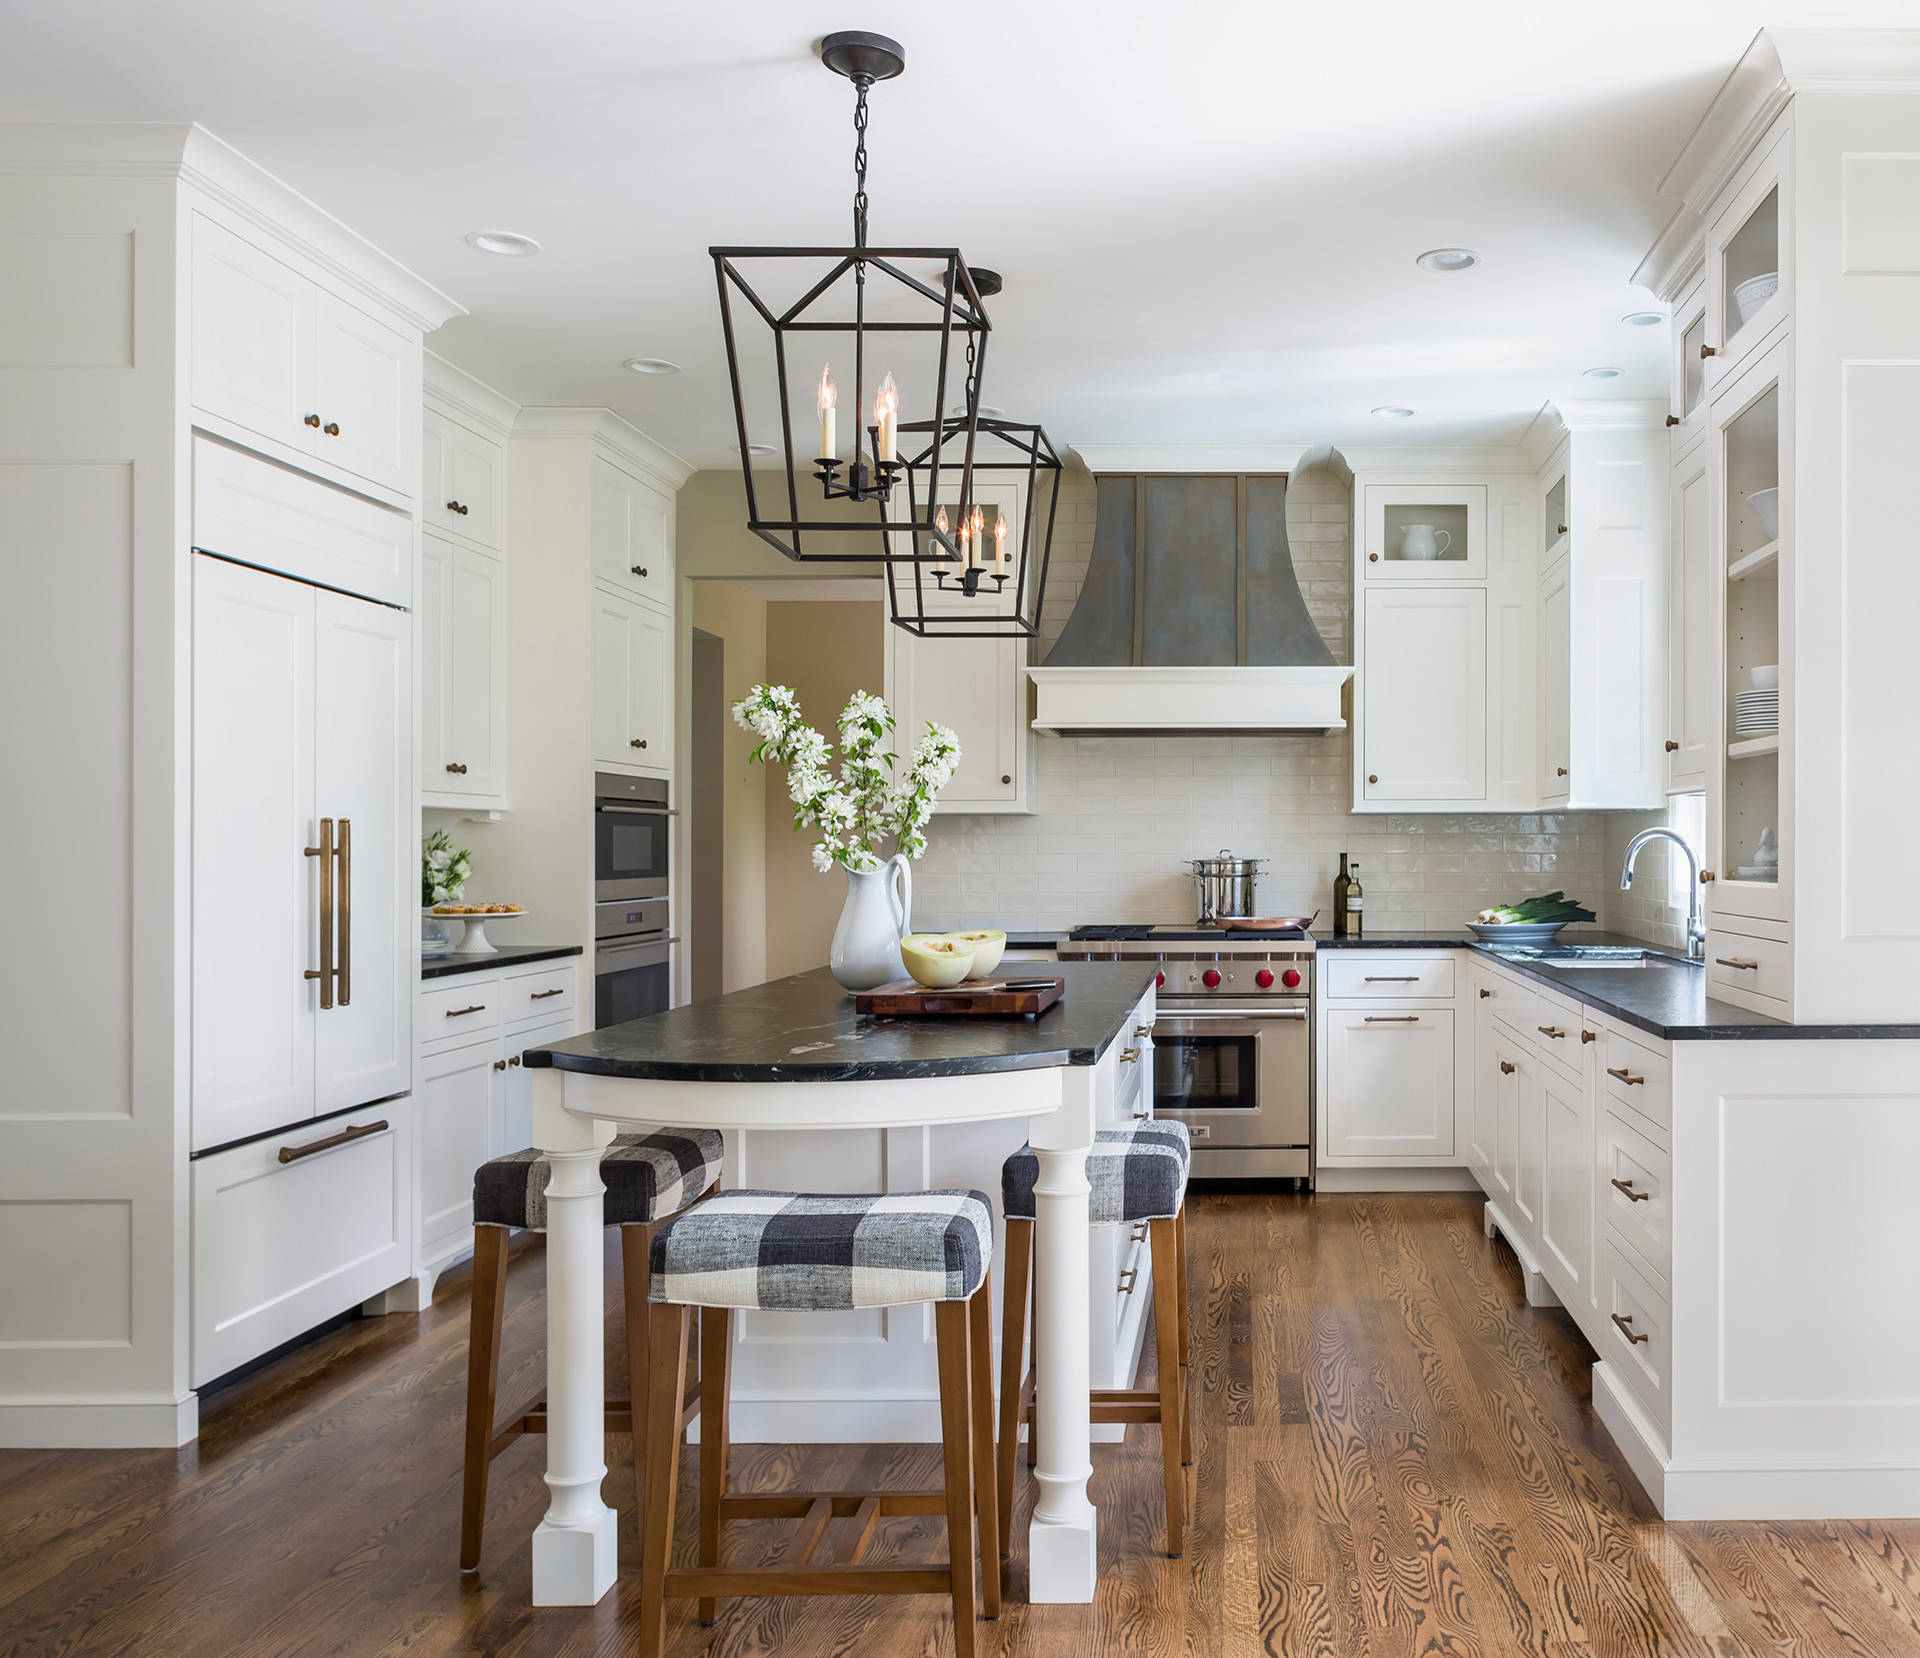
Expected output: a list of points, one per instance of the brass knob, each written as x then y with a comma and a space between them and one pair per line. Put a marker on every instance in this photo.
313, 420
637, 742
457, 770
1559, 771
1373, 777
1708, 351
1484, 993
1587, 1036
499, 1064
1672, 746
1562, 530
1673, 420
1507, 1067
332, 428
513, 1059
638, 569
455, 506
1006, 777
1373, 558
1706, 875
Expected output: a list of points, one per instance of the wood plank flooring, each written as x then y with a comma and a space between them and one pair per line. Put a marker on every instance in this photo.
1395, 1456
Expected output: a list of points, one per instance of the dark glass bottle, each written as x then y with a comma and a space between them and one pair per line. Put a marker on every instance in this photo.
1342, 884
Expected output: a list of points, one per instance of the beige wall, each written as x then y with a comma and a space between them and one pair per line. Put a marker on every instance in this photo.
712, 540
825, 652
740, 621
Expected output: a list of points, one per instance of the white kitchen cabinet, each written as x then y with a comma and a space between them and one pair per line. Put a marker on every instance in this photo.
1556, 683
302, 731
1428, 532
277, 355
1425, 694
463, 486
632, 529
1744, 244
453, 1109
1567, 1157
632, 684
1692, 660
977, 689
463, 693
1389, 1083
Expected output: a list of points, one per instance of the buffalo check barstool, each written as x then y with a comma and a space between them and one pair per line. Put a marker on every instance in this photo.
789, 1252
1139, 1178
648, 1176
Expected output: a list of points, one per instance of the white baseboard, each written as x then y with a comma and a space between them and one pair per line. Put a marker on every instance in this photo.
410, 1295
1443, 1179
99, 1424
1640, 1442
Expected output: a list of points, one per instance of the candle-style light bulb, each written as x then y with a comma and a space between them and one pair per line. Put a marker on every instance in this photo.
940, 524
1000, 546
966, 547
976, 528
886, 415
829, 404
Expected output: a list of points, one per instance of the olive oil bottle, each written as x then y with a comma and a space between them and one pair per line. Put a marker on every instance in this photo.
1342, 885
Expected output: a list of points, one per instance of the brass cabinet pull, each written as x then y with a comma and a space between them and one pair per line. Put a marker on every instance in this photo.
1484, 993
353, 1131
332, 428
1706, 875
455, 506
636, 742
1559, 771
638, 570
1393, 1019
1507, 1067
1373, 558
1127, 1279
1587, 1036
513, 1059
1392, 978
1553, 1031
1740, 962
324, 852
343, 971
1143, 1030
499, 1064
1625, 1320
1673, 420
542, 995
1140, 1231
1373, 777
1672, 746
1625, 1075
458, 770
313, 420
1129, 1055
1707, 351
1562, 530
1006, 777
462, 1012
1626, 1188
1143, 1116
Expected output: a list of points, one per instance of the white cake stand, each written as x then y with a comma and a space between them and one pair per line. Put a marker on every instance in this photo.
474, 941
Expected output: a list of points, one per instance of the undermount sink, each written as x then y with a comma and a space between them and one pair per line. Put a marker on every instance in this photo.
1591, 955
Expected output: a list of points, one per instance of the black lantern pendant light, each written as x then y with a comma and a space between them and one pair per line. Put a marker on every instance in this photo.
909, 321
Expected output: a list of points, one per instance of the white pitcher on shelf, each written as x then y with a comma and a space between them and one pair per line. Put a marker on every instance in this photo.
1423, 542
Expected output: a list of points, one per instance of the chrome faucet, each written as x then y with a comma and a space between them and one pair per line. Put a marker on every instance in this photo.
1696, 925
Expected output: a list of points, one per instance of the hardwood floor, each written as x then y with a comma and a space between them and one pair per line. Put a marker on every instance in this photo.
1395, 1455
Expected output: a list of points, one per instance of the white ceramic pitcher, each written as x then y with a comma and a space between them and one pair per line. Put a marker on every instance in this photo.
877, 913
1423, 541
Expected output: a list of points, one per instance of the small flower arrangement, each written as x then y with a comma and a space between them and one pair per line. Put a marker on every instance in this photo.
445, 870
865, 804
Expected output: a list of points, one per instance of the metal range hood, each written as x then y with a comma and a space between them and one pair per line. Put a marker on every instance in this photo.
1191, 618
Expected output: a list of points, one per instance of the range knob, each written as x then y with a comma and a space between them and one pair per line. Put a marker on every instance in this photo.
1291, 977
1264, 979
1159, 981
1210, 978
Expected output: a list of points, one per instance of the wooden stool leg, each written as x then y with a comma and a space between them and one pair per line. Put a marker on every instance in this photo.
716, 1378
667, 1338
985, 1476
483, 1383
956, 1433
1166, 1330
1013, 1368
1186, 1345
636, 1277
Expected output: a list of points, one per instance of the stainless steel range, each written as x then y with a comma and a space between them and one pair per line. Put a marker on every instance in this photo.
1232, 1041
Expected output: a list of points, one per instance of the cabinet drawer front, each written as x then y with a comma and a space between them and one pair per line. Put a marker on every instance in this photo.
1508, 1000
538, 995
1386, 978
1635, 1192
279, 1247
1759, 966
1637, 1340
1637, 1078
248, 509
459, 1012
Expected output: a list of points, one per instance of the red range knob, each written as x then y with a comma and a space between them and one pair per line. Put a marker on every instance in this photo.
1159, 981
1291, 977
1264, 979
1210, 978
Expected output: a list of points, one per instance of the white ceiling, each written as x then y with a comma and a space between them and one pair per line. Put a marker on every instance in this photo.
1207, 214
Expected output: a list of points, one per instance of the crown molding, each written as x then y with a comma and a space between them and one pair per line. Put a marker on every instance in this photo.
189, 152
1608, 414
1186, 458
467, 397
1437, 460
609, 430
1677, 258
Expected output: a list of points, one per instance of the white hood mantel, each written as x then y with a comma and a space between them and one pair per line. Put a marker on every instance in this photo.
1136, 701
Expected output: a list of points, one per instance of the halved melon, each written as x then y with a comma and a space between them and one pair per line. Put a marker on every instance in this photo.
934, 961
988, 945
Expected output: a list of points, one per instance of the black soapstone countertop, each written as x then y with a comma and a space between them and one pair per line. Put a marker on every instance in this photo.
804, 1029
507, 955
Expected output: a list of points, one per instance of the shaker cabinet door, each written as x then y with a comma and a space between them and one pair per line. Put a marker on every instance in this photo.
1425, 694
1390, 1083
253, 323
632, 716
366, 381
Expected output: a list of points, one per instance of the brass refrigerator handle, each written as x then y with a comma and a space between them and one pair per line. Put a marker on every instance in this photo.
343, 970
324, 852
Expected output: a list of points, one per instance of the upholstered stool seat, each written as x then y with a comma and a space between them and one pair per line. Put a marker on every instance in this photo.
794, 1252
1137, 1173
647, 1175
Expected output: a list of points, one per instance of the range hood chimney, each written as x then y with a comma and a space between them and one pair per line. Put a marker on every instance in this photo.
1191, 619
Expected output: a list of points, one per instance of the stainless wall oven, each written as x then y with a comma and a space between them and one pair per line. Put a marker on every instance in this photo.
632, 843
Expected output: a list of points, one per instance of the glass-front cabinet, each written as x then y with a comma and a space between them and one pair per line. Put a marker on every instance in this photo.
1425, 532
1688, 369
1747, 832
1747, 291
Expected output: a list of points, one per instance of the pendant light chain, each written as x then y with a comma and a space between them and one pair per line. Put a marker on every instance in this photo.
860, 166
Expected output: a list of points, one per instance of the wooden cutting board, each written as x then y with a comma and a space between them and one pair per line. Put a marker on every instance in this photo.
903, 999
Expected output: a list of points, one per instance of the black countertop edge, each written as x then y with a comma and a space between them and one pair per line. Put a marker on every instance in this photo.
508, 955
770, 1032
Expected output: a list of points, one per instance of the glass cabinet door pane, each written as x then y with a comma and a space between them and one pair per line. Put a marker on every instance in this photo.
1427, 533
1557, 520
1750, 815
1693, 367
1750, 265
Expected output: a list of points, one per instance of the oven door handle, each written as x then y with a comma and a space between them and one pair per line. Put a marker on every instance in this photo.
1185, 1017
612, 957
639, 811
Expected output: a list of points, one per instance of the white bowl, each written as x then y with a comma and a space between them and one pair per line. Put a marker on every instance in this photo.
1766, 678
1755, 292
1766, 504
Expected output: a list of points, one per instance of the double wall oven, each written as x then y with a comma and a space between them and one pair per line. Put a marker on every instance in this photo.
632, 847
1232, 1042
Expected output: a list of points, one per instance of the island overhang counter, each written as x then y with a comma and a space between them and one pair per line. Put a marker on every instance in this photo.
794, 1055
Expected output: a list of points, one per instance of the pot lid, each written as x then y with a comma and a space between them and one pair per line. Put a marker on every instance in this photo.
1226, 864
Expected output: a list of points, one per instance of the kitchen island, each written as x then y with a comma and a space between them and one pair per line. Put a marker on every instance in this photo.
793, 1058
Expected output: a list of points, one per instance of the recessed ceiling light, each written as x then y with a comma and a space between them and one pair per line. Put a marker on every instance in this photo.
1602, 373
1644, 319
1448, 259
992, 410
651, 365
1388, 411
756, 449
508, 244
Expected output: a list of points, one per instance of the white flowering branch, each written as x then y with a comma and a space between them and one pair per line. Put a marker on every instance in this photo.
864, 805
